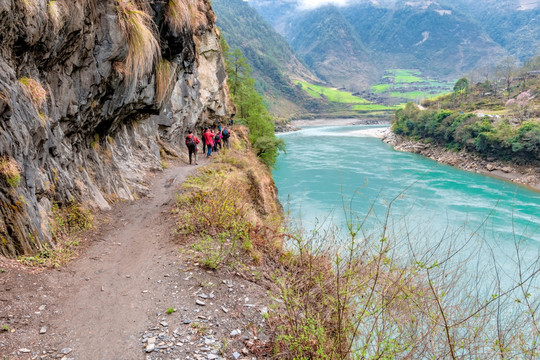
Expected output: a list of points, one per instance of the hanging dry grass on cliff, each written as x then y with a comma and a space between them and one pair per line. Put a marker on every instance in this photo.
165, 72
178, 14
143, 47
34, 91
55, 9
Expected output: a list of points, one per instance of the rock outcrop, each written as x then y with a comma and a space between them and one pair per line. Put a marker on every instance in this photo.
81, 116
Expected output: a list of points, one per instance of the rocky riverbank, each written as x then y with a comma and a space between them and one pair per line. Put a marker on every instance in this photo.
527, 175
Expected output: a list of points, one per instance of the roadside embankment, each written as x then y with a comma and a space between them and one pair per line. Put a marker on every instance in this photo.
528, 175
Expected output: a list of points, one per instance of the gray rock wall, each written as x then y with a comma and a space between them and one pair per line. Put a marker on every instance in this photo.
96, 133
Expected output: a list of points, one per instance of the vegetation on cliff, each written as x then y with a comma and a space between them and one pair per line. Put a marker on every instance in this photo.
250, 106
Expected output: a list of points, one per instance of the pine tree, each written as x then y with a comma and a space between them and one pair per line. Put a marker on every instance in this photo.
250, 104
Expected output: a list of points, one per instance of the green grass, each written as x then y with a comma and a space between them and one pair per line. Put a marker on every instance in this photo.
331, 94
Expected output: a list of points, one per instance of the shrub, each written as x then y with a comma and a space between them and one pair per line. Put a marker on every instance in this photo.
139, 31
9, 170
33, 89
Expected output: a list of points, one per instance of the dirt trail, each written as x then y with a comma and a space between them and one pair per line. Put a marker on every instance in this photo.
110, 302
107, 294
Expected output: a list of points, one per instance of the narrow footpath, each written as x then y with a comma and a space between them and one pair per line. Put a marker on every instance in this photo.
112, 301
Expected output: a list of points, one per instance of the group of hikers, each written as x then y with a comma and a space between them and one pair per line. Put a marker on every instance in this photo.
212, 142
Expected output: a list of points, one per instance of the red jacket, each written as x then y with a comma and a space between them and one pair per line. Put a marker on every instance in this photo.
209, 138
195, 139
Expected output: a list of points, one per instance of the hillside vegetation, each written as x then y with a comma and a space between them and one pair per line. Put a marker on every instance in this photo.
498, 119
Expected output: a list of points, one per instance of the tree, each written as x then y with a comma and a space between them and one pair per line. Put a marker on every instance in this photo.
250, 104
507, 68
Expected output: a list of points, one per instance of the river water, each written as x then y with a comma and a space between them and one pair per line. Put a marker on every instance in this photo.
329, 169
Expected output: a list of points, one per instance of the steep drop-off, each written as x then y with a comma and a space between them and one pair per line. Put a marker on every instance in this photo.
80, 120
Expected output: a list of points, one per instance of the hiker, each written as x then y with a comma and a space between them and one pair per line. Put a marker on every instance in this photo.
209, 138
225, 133
217, 139
203, 140
191, 143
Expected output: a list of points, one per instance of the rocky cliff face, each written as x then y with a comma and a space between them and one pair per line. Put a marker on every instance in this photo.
83, 104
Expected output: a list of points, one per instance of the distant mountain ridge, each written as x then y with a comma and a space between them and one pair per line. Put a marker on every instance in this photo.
363, 40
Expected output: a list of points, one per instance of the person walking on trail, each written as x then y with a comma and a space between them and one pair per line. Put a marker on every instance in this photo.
209, 138
217, 140
203, 140
225, 134
191, 143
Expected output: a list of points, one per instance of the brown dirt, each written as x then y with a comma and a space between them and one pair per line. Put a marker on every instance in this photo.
106, 303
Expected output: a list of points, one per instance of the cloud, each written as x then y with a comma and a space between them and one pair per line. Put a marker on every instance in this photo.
313, 4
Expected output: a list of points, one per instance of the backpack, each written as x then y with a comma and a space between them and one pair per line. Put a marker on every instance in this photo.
190, 143
217, 137
226, 134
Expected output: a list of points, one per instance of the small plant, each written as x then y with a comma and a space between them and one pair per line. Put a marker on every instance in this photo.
138, 29
95, 143
5, 328
201, 329
9, 170
164, 164
34, 91
170, 311
2, 270
70, 219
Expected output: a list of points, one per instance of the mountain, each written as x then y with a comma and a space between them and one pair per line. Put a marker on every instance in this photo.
274, 63
366, 38
514, 24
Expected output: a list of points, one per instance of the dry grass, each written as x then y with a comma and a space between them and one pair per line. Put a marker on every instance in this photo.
165, 76
55, 9
178, 14
34, 91
9, 170
139, 31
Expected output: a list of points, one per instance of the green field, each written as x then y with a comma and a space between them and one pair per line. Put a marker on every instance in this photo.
331, 94
404, 76
410, 85
374, 107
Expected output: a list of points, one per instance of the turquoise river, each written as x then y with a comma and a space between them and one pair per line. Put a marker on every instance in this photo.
328, 171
